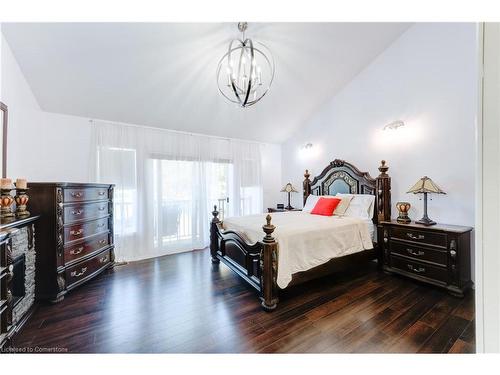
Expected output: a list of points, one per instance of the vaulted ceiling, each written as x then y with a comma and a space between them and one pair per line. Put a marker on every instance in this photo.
163, 74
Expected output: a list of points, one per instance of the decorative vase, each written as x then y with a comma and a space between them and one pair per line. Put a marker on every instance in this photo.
21, 199
403, 208
6, 201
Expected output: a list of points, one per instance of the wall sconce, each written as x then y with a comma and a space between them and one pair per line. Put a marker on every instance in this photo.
307, 151
394, 125
307, 146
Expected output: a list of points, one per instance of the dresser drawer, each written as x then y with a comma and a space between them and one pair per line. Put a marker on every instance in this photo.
84, 211
419, 236
77, 251
85, 194
419, 253
420, 269
84, 269
80, 231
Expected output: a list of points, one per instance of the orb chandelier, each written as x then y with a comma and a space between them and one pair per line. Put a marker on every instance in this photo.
245, 73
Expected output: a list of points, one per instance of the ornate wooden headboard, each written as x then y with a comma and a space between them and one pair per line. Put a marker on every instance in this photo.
343, 177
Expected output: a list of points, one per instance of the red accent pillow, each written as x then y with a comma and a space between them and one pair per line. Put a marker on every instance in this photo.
325, 206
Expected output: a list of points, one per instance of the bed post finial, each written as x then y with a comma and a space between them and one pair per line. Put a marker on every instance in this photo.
306, 186
215, 214
268, 229
383, 193
214, 241
383, 168
269, 268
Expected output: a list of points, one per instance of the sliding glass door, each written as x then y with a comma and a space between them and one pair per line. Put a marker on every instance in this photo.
183, 196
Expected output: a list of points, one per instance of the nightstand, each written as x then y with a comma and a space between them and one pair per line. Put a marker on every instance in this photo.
437, 254
271, 209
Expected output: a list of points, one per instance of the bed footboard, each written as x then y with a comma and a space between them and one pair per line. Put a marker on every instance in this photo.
256, 263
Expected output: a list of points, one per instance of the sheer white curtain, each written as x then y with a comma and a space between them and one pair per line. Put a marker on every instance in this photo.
166, 184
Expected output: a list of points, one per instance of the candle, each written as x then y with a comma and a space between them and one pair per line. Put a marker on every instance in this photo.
21, 183
6, 183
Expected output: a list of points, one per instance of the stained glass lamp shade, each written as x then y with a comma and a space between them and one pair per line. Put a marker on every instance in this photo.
288, 188
425, 186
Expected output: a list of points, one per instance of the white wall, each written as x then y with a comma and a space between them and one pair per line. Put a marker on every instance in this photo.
427, 78
47, 146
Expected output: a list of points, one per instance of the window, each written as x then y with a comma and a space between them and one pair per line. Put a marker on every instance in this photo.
118, 165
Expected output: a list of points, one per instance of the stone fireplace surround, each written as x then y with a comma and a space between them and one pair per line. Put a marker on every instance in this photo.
23, 242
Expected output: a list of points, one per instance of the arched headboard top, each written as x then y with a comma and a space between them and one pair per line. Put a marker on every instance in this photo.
340, 176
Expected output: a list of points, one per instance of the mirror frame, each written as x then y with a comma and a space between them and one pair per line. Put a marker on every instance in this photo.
4, 114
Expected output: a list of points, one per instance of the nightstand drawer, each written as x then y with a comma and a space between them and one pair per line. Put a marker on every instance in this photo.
419, 253
419, 236
420, 269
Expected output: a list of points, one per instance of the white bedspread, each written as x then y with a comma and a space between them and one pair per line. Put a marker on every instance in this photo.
304, 240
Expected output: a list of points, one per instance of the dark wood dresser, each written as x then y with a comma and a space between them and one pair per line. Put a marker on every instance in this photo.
75, 235
437, 254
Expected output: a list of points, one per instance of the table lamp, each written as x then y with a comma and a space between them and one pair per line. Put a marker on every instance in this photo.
289, 189
425, 186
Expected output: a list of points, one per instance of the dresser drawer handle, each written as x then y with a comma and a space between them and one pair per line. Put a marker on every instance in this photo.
416, 270
77, 195
77, 212
78, 274
76, 232
413, 237
416, 253
102, 208
102, 242
103, 259
100, 225
77, 251
102, 192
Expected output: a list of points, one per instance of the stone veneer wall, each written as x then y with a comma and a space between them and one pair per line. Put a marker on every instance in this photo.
20, 247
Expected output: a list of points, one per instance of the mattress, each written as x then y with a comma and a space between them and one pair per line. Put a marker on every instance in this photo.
304, 240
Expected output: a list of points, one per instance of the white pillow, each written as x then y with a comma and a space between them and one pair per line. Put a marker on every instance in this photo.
361, 205
310, 203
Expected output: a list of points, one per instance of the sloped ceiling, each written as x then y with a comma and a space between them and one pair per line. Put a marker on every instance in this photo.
163, 74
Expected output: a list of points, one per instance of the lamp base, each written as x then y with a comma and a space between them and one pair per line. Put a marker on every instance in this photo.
288, 207
425, 221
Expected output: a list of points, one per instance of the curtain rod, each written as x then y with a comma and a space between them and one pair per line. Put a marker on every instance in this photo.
178, 131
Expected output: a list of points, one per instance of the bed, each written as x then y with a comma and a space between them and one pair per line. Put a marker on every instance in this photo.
298, 246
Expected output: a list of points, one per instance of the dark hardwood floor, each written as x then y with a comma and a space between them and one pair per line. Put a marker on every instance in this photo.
184, 304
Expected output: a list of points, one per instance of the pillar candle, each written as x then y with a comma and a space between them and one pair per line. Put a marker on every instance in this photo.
21, 183
6, 183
